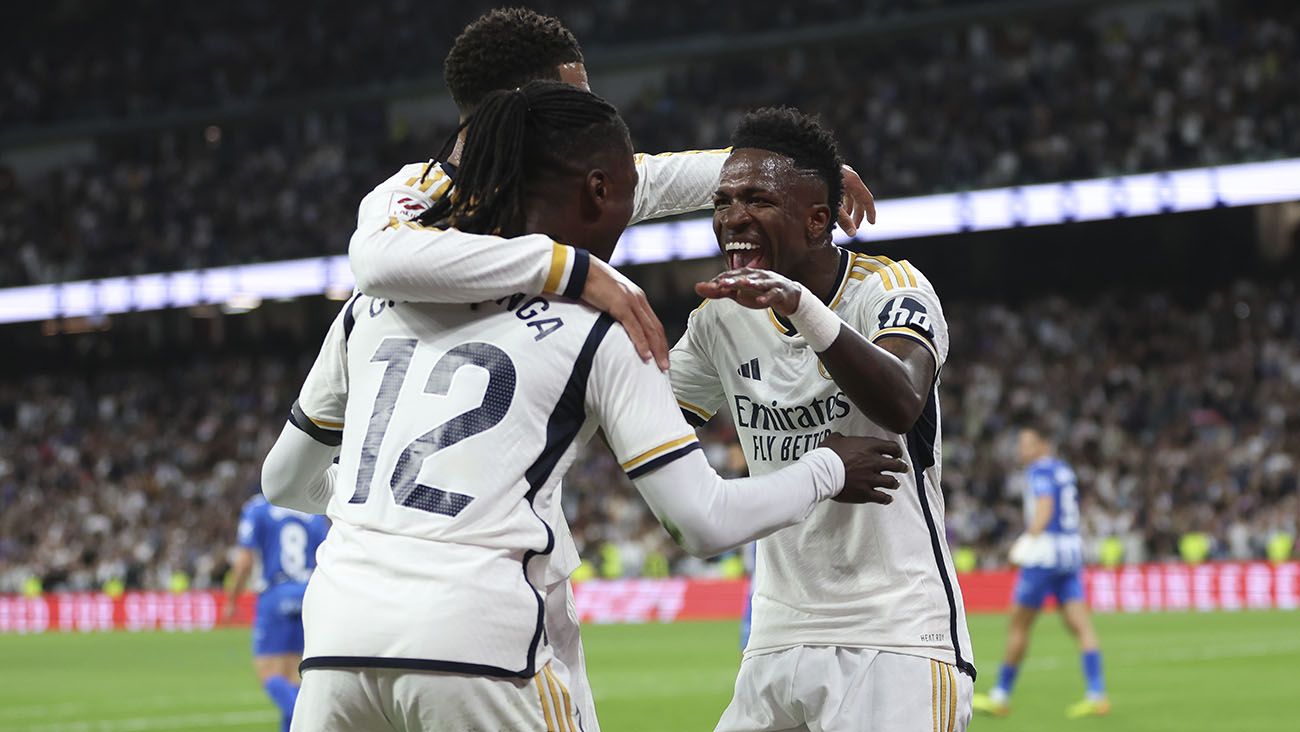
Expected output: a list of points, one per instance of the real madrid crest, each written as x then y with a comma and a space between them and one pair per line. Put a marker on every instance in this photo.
821, 369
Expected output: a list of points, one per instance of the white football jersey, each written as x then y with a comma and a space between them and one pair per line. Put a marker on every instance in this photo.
456, 424
874, 577
667, 184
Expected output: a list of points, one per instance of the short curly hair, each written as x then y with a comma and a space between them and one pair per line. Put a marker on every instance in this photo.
800, 137
505, 49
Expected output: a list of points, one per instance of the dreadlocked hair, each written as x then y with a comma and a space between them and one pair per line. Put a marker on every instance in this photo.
800, 137
504, 49
515, 140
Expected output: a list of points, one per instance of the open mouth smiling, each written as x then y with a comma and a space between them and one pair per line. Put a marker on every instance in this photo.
745, 254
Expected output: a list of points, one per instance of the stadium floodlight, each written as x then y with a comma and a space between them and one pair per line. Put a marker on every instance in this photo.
1095, 199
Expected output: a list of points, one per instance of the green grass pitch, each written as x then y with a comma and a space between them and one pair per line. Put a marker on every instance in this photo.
1175, 671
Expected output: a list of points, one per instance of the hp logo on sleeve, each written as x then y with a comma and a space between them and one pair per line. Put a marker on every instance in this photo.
906, 312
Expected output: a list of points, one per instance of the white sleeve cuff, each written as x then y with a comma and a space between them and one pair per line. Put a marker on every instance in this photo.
828, 471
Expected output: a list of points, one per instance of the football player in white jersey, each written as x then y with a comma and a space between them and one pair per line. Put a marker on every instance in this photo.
455, 424
504, 49
858, 621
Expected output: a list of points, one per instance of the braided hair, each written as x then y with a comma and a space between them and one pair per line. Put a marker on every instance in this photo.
516, 140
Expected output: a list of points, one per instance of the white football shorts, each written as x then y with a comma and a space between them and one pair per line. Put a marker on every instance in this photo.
563, 631
836, 689
379, 700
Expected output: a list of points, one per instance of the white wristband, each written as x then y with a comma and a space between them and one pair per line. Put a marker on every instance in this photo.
818, 324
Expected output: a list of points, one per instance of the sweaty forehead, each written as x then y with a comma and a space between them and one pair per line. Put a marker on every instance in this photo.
749, 168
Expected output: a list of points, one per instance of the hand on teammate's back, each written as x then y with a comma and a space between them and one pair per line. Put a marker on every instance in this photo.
610, 291
867, 464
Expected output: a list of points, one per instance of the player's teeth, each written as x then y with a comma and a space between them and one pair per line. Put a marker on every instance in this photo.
740, 245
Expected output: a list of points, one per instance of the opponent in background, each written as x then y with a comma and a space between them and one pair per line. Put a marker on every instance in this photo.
285, 541
1050, 556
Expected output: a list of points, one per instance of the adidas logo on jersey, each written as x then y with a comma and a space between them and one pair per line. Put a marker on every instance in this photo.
749, 370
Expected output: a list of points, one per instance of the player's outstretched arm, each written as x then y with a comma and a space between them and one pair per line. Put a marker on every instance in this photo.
410, 262
395, 258
707, 515
890, 381
402, 260
675, 183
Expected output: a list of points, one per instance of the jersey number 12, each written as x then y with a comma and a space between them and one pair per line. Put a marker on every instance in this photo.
500, 392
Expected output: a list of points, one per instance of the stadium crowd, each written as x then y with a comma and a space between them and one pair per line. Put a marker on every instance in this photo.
1178, 419
960, 107
137, 58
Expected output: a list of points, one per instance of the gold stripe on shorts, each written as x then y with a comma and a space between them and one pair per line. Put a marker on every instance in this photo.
943, 698
541, 697
568, 706
561, 712
934, 696
952, 697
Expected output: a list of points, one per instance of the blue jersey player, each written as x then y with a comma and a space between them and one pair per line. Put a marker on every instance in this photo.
1050, 555
286, 542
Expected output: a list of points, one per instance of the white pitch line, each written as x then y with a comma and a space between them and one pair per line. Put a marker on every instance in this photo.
139, 724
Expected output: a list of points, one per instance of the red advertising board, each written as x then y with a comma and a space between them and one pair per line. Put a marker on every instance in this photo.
92, 611
1133, 588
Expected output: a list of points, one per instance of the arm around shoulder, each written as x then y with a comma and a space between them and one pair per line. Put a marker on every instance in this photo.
410, 262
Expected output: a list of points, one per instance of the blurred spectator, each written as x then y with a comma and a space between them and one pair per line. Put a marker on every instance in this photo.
963, 107
1177, 418
1011, 103
135, 58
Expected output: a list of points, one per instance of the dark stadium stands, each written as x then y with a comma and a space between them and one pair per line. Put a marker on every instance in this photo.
952, 108
165, 136
1178, 418
144, 57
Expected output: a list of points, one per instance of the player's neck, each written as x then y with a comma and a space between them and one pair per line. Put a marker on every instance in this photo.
546, 213
454, 157
818, 270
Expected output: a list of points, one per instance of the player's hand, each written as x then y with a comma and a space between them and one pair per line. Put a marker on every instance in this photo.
610, 291
228, 612
858, 203
753, 288
867, 462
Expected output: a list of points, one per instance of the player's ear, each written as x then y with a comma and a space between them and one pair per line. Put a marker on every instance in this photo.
596, 189
819, 222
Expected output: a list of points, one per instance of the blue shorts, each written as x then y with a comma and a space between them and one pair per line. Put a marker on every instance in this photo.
277, 626
1035, 584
